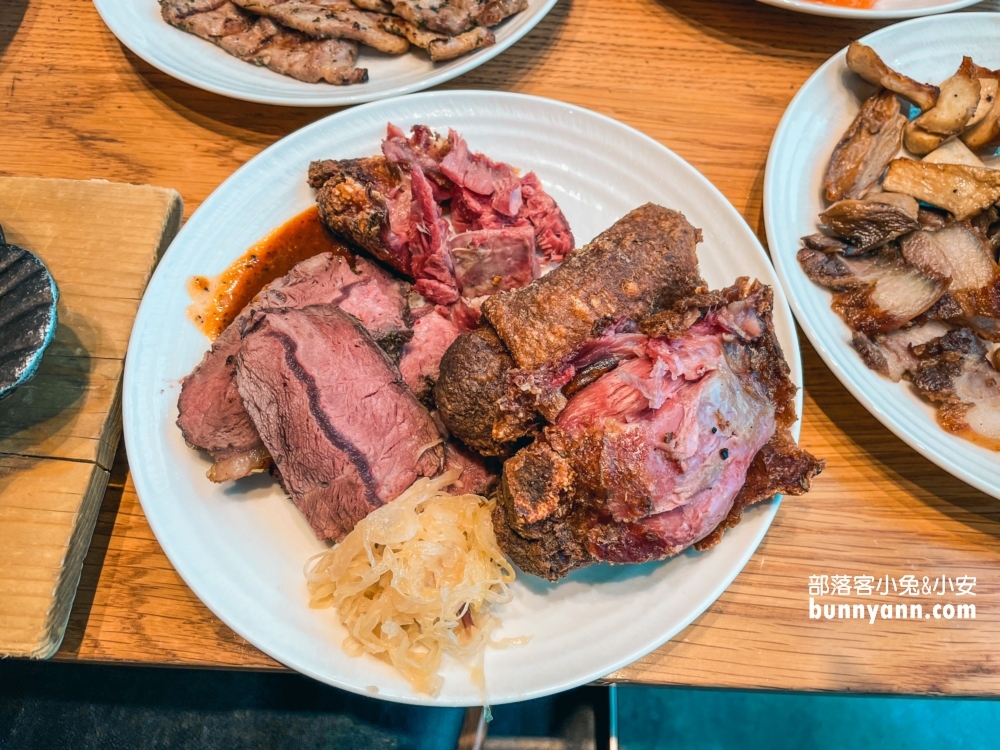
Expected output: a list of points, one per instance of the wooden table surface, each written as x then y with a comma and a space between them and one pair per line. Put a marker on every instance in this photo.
708, 78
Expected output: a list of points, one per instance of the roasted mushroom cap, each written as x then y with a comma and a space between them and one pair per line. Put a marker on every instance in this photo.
964, 191
864, 61
866, 148
870, 223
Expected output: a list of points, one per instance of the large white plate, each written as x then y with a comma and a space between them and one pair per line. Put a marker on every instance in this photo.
138, 25
881, 8
927, 49
242, 550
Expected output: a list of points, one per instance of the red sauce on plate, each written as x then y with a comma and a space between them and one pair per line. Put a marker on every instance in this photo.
218, 300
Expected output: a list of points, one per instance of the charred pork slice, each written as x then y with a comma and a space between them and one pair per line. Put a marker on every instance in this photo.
366, 202
666, 449
955, 373
211, 413
263, 42
330, 20
452, 17
344, 430
644, 258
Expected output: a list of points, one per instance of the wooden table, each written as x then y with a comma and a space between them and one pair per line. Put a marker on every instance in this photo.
708, 78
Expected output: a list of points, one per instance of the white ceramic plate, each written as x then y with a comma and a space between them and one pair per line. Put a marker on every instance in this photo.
927, 49
242, 549
881, 8
138, 25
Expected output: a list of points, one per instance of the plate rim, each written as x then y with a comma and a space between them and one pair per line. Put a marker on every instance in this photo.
833, 11
822, 347
768, 509
338, 96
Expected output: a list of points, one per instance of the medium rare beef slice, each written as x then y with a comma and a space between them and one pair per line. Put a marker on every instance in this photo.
470, 388
420, 362
665, 450
211, 413
626, 272
366, 202
345, 432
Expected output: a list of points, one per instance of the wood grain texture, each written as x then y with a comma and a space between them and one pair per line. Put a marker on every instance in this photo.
59, 431
708, 78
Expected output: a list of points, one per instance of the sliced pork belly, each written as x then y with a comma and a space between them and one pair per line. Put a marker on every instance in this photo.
877, 292
345, 432
211, 414
263, 42
955, 372
891, 354
494, 260
650, 458
366, 202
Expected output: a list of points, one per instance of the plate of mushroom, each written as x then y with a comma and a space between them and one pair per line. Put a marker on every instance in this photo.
880, 207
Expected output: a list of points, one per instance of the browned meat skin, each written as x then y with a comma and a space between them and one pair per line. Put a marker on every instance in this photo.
344, 430
469, 389
866, 148
377, 6
342, 20
955, 372
264, 43
645, 257
574, 496
877, 292
357, 200
890, 354
439, 46
452, 17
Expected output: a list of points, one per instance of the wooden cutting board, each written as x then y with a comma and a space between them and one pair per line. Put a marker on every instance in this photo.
59, 432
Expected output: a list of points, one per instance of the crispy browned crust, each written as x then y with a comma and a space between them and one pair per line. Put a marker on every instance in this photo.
645, 257
472, 384
550, 515
353, 202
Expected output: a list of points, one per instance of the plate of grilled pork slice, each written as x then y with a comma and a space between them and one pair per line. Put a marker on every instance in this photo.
467, 293
880, 205
318, 53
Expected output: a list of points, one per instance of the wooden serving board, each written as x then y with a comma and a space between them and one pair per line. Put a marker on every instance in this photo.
59, 432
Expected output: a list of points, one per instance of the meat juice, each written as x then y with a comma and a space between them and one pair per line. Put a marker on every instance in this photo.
217, 300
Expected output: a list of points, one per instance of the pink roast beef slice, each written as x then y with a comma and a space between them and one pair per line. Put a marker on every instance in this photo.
345, 432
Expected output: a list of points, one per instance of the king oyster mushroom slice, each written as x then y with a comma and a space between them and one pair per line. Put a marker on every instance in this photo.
864, 61
962, 190
953, 152
872, 222
866, 148
957, 103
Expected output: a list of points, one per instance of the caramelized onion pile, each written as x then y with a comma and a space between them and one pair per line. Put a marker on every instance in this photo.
418, 578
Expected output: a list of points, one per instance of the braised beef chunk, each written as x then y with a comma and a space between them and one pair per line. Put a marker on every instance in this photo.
366, 202
472, 383
344, 444
647, 256
211, 413
651, 457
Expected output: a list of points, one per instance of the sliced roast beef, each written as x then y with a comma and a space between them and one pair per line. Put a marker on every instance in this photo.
366, 202
651, 457
344, 430
645, 257
479, 475
420, 363
211, 413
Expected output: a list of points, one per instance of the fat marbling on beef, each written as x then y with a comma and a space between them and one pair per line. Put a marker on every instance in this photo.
344, 444
211, 413
664, 450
